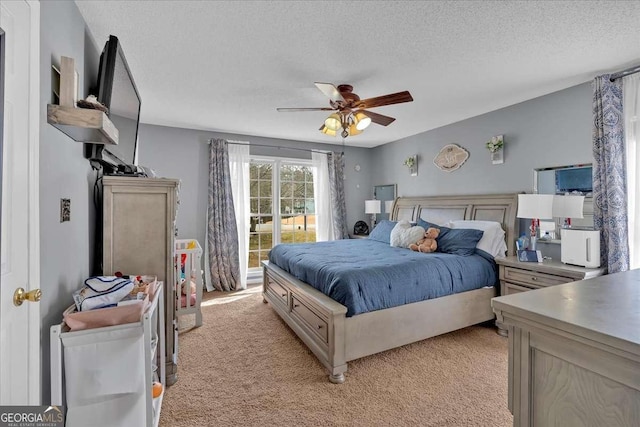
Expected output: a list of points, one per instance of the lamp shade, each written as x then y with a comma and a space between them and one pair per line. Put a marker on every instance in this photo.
372, 206
333, 122
568, 206
328, 131
388, 205
538, 206
362, 121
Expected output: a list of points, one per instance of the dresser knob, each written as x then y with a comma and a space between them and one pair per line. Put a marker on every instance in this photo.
319, 326
534, 278
284, 295
296, 305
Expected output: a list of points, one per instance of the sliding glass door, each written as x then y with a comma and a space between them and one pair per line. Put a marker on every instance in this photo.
282, 205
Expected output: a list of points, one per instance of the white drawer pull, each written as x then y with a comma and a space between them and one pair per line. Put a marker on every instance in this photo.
534, 278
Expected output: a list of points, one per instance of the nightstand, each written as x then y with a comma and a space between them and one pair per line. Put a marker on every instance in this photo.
517, 276
358, 236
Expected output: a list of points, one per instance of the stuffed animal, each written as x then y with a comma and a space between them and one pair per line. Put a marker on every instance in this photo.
188, 289
428, 242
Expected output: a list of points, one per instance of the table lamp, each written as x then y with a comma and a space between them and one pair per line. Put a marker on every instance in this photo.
535, 207
567, 207
372, 207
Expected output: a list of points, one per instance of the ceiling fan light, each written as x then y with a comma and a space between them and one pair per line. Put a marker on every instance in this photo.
328, 131
362, 121
353, 130
333, 122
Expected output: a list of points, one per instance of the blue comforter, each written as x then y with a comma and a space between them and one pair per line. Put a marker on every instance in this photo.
366, 275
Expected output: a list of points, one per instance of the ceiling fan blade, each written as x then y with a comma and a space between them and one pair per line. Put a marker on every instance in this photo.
379, 118
288, 110
330, 90
379, 101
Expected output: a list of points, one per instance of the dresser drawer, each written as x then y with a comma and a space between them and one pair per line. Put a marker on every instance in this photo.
511, 288
534, 278
279, 291
313, 321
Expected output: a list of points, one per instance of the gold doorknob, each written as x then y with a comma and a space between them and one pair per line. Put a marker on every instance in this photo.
20, 295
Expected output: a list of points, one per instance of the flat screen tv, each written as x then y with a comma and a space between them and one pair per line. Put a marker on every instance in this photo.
574, 180
118, 92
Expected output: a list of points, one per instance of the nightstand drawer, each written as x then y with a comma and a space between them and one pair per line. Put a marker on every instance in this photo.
510, 288
534, 278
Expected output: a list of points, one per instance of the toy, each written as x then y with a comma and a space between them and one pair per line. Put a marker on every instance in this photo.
192, 289
428, 243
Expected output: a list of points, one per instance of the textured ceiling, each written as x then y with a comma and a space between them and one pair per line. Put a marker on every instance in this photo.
227, 65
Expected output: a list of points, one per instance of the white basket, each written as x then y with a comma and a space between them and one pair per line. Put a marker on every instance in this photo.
188, 270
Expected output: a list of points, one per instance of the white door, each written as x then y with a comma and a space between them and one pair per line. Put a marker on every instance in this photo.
20, 326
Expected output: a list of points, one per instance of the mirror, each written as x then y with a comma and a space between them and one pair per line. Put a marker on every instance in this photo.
384, 193
569, 179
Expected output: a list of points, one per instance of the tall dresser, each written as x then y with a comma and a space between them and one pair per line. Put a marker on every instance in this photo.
138, 238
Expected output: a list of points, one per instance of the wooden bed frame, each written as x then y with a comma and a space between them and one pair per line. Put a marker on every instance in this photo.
336, 339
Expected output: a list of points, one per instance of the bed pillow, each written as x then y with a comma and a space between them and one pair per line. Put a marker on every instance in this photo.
404, 234
382, 231
459, 241
493, 240
454, 241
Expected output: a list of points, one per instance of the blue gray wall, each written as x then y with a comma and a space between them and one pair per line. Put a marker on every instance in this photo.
184, 154
65, 248
551, 130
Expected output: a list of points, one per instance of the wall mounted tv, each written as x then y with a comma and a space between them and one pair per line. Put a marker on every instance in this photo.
118, 92
575, 180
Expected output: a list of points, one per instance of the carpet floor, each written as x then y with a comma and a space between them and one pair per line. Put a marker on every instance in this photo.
245, 367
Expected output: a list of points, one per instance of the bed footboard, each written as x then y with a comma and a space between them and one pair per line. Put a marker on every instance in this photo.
318, 320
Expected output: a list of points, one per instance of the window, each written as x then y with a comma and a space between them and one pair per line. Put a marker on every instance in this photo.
282, 207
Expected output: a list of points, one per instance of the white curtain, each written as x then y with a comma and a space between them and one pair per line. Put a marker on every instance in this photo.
631, 109
239, 168
322, 196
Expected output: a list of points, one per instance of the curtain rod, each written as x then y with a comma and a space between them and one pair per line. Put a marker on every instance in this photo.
625, 73
277, 146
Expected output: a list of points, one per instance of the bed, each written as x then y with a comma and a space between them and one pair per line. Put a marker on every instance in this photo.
337, 334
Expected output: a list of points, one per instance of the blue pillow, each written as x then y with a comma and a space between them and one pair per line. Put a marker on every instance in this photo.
460, 241
382, 231
457, 241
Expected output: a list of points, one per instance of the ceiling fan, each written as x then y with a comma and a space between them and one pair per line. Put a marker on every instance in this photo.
351, 113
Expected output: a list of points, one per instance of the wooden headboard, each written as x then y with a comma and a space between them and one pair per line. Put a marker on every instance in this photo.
440, 209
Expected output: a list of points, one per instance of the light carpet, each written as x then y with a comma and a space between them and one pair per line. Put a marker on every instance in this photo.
245, 367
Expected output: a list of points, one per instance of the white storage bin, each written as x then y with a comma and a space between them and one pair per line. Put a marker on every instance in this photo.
109, 371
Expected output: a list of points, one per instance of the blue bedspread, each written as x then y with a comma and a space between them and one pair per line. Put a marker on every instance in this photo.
366, 275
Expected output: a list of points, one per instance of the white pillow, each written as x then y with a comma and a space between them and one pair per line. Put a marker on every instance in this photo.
403, 234
493, 239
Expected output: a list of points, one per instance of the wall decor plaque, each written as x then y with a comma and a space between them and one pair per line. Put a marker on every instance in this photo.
451, 157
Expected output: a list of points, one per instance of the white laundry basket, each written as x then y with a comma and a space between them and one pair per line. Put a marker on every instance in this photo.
188, 275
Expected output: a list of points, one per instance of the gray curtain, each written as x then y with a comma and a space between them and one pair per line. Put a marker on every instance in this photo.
222, 232
609, 174
336, 183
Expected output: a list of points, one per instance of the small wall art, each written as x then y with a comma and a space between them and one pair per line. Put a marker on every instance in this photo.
411, 163
496, 148
451, 157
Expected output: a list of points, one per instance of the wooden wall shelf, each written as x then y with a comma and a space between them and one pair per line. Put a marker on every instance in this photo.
83, 125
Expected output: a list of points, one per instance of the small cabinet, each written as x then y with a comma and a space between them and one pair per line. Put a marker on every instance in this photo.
517, 276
